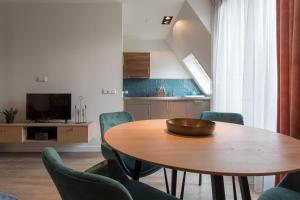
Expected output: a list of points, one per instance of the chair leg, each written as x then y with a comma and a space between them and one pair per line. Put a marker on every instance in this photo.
182, 186
200, 179
166, 181
234, 188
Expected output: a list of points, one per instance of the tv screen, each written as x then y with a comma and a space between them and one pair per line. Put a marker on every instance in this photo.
48, 106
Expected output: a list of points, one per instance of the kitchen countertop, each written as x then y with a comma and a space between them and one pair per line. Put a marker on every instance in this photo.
176, 98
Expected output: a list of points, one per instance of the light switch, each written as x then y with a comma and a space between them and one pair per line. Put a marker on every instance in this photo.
106, 91
42, 79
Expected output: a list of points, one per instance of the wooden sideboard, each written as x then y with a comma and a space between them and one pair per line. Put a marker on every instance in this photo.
60, 132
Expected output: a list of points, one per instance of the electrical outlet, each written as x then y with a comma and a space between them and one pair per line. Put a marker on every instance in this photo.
106, 92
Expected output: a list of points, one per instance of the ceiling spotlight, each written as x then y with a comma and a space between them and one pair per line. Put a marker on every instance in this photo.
167, 20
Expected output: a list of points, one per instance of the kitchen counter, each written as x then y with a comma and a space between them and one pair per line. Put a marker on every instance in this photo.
143, 108
176, 98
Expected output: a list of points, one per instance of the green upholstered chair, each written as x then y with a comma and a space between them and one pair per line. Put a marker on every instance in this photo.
5, 196
288, 188
104, 181
109, 120
234, 118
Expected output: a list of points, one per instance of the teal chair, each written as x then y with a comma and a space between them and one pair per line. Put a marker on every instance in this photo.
287, 189
106, 180
5, 196
109, 120
234, 118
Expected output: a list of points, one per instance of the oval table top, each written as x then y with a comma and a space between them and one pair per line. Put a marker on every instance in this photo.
232, 150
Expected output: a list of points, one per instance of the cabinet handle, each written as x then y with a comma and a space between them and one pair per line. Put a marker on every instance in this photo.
199, 101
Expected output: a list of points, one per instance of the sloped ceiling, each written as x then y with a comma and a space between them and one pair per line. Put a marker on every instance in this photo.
189, 35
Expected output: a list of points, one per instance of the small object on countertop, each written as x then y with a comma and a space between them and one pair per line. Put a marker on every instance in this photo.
190, 127
161, 92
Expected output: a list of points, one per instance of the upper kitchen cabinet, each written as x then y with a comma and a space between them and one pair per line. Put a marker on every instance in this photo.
136, 65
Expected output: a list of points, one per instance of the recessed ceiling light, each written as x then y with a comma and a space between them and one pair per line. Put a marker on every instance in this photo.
167, 20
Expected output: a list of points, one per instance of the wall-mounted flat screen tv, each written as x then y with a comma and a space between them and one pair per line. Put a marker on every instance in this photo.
43, 107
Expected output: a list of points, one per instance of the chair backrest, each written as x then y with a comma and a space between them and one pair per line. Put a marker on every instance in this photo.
108, 120
75, 185
234, 118
291, 181
5, 196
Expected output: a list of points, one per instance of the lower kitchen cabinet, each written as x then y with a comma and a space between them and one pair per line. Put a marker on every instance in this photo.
165, 109
139, 109
195, 108
158, 109
177, 109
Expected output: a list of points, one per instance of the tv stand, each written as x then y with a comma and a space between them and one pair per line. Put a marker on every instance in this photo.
58, 132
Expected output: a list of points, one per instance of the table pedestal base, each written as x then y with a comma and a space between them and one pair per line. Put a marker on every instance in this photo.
217, 184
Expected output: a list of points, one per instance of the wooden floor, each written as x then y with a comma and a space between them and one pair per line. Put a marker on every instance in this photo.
24, 175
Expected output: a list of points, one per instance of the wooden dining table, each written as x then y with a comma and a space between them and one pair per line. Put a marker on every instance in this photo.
232, 150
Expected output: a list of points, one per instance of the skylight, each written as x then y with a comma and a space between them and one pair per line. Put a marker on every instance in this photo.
198, 73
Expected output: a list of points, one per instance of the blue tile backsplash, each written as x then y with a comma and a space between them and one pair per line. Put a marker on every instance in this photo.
149, 87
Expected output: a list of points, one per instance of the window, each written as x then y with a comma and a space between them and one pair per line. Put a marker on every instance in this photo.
198, 73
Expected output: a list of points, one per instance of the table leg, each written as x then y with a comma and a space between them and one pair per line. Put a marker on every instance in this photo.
166, 181
174, 182
183, 185
137, 170
234, 188
218, 190
245, 192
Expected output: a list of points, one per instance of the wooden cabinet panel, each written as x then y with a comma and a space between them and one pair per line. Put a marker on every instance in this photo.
139, 111
159, 110
137, 101
73, 134
145, 109
136, 65
195, 108
177, 109
12, 134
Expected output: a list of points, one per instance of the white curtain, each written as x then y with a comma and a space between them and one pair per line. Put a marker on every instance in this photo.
245, 63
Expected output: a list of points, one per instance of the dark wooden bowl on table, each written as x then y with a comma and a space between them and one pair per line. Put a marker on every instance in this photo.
190, 127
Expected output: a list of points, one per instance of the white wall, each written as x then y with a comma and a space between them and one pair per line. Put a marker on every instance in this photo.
3, 58
79, 48
203, 9
163, 62
189, 35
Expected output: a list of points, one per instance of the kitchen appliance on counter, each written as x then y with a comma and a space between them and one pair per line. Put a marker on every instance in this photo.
161, 92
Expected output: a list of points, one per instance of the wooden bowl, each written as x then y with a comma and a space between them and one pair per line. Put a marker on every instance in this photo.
190, 127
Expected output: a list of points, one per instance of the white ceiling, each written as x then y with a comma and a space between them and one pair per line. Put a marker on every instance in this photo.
59, 1
142, 18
